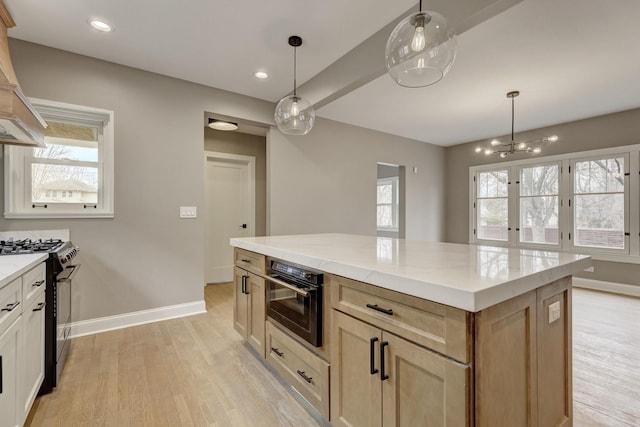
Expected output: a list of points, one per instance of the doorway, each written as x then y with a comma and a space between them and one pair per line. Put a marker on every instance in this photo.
230, 202
390, 200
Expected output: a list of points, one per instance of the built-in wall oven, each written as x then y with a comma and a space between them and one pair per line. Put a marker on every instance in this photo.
294, 299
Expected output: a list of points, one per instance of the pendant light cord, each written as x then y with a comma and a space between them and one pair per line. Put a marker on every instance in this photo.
420, 5
512, 119
294, 70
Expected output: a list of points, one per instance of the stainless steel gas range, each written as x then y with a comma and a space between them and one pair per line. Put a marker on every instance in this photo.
59, 272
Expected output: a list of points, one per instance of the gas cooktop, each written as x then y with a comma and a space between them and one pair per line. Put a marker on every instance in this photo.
28, 246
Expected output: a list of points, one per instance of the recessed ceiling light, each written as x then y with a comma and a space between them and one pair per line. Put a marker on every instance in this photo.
261, 75
100, 26
222, 125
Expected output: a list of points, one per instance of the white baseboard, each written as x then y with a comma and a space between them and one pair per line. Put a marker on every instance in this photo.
110, 323
599, 285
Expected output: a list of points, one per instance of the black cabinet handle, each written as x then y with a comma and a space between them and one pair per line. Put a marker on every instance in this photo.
380, 309
244, 285
38, 283
40, 306
372, 345
383, 375
306, 378
279, 353
10, 307
246, 260
0, 374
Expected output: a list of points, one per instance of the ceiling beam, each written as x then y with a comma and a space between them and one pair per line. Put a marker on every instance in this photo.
365, 62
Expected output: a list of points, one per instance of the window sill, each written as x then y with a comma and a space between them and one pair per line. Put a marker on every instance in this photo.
57, 215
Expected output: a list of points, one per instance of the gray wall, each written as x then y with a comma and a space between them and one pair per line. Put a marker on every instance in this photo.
146, 257
611, 130
326, 181
246, 145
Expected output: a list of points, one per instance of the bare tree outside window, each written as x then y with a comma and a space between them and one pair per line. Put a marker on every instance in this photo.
539, 204
66, 171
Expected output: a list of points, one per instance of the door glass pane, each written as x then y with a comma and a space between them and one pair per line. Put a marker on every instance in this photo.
599, 220
63, 184
492, 207
539, 204
599, 207
492, 219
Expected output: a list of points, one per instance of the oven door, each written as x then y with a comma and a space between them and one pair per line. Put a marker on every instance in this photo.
296, 308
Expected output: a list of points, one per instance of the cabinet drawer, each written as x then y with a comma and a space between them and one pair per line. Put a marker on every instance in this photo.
250, 261
33, 282
10, 303
293, 361
444, 329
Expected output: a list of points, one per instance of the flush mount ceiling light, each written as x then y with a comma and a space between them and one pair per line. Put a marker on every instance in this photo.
100, 26
505, 149
294, 115
222, 125
420, 50
261, 75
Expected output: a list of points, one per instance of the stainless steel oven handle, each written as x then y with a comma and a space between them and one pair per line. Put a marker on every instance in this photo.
67, 277
286, 285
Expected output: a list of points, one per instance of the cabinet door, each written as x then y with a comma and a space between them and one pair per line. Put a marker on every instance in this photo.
506, 384
356, 393
422, 388
9, 342
240, 303
257, 312
32, 354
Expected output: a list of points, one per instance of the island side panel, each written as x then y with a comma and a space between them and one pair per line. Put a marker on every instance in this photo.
555, 389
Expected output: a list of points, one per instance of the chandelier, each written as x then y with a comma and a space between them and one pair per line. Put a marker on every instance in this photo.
505, 149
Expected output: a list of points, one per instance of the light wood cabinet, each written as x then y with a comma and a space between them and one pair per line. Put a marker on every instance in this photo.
305, 371
249, 312
382, 379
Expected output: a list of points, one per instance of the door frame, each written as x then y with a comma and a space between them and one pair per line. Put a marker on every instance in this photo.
250, 162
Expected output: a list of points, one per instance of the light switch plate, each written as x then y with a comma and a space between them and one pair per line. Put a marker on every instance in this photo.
188, 212
554, 311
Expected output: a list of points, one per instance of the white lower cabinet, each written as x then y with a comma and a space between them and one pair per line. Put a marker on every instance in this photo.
9, 345
21, 345
32, 359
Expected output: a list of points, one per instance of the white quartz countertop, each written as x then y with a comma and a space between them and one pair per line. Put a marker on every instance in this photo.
14, 266
469, 277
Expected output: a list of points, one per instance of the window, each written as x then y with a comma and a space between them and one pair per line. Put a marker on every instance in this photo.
492, 205
72, 177
599, 199
387, 203
539, 205
585, 202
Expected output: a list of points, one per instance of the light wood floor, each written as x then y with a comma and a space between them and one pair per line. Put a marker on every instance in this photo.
195, 371
606, 359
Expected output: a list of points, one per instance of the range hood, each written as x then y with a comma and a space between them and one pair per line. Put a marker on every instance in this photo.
20, 123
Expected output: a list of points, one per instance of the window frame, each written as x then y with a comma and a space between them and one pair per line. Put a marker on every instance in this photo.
631, 153
18, 161
476, 181
395, 203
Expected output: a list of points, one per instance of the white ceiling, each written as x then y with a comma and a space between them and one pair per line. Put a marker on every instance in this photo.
570, 59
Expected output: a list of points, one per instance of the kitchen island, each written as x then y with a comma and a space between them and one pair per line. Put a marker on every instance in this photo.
425, 333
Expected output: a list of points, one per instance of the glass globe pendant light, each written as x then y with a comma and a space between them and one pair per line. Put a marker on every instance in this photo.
294, 115
420, 50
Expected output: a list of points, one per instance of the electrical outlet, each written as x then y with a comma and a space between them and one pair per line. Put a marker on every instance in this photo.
188, 212
554, 311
